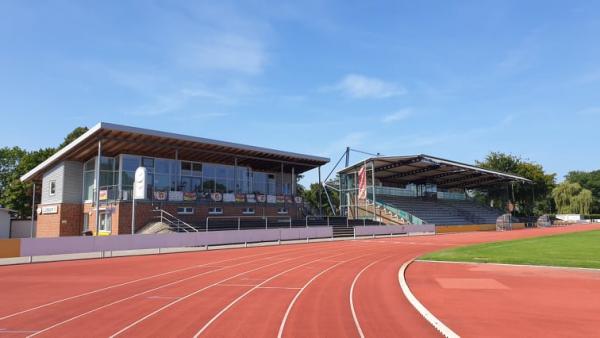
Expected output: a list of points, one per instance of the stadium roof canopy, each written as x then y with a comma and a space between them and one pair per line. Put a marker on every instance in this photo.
119, 139
420, 169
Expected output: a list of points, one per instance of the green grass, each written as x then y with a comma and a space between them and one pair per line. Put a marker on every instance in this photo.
580, 249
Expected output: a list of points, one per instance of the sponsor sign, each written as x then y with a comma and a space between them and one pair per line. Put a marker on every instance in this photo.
271, 199
139, 184
228, 197
250, 198
289, 199
280, 199
260, 198
298, 199
175, 195
160, 195
49, 209
189, 196
240, 198
103, 195
362, 183
216, 196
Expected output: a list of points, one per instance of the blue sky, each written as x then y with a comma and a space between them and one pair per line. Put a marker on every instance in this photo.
454, 79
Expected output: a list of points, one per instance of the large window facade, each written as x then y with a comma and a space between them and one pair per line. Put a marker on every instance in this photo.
164, 175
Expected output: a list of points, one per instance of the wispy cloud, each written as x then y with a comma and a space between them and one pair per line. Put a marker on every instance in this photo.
224, 52
397, 116
363, 87
165, 104
589, 111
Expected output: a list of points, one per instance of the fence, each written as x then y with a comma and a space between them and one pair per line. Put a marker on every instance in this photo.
377, 230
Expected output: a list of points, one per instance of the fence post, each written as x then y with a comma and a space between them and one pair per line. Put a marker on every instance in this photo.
266, 222
239, 223
347, 223
206, 224
327, 220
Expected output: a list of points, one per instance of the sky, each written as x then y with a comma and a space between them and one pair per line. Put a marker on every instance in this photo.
454, 79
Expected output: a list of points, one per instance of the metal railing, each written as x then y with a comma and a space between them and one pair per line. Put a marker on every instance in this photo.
174, 222
391, 191
286, 219
412, 219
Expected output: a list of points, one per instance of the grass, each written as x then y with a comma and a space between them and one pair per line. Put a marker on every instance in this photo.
580, 249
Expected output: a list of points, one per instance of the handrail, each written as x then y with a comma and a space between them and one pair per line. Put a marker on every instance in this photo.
412, 219
171, 222
239, 219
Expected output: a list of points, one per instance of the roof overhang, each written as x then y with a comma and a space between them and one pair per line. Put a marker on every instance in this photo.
429, 169
119, 139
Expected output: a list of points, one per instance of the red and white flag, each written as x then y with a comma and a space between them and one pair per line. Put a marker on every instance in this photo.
362, 183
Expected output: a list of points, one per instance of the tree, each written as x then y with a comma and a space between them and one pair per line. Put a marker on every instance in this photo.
15, 162
588, 180
312, 197
530, 199
571, 198
72, 136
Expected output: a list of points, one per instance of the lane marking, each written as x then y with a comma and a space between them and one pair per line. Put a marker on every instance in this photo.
423, 311
289, 309
162, 297
121, 284
215, 317
142, 293
195, 293
354, 316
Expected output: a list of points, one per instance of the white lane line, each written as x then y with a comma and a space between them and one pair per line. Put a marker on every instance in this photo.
433, 320
289, 309
356, 322
5, 331
119, 285
195, 293
142, 293
249, 291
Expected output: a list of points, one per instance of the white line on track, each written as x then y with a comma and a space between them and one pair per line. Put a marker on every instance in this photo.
121, 284
354, 316
144, 292
254, 288
289, 309
429, 317
195, 293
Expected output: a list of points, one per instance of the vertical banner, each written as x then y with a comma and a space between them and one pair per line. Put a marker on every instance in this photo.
362, 183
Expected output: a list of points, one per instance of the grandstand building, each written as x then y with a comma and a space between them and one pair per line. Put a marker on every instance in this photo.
419, 189
90, 181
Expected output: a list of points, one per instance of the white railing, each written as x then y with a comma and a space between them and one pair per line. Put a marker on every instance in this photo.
391, 191
174, 222
444, 195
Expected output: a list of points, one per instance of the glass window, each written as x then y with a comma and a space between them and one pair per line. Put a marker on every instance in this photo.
90, 165
52, 188
88, 185
148, 162
248, 211
161, 166
86, 222
186, 168
215, 211
162, 182
105, 222
196, 169
185, 210
130, 163
107, 163
127, 179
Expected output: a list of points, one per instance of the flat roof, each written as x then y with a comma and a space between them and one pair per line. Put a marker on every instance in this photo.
120, 139
430, 169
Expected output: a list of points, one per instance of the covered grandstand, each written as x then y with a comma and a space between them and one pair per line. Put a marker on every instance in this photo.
419, 189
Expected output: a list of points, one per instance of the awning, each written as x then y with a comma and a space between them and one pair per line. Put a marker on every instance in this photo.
423, 169
119, 139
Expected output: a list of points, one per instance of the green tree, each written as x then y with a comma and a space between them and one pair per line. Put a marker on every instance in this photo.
588, 180
15, 162
311, 196
571, 198
531, 199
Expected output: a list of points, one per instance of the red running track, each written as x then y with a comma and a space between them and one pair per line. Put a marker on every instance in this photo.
342, 288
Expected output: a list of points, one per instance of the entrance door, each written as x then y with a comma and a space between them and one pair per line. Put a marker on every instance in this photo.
105, 222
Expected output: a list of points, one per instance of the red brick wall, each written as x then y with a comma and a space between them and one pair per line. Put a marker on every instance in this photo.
66, 222
69, 219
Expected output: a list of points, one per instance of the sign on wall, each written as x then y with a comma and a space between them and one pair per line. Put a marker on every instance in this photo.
49, 209
228, 197
176, 196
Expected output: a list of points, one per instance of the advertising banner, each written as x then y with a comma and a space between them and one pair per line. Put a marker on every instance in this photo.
189, 196
271, 199
240, 198
216, 196
289, 199
260, 198
298, 200
103, 195
250, 198
139, 184
228, 197
362, 183
160, 195
280, 199
176, 196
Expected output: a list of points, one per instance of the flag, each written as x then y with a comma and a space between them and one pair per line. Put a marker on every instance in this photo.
362, 183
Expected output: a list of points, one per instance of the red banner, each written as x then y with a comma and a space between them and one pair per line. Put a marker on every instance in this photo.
362, 183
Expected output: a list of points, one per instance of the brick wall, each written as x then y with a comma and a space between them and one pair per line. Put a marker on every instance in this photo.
66, 222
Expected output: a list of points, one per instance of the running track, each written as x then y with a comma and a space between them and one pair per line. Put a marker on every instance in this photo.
327, 289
